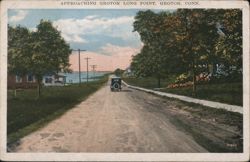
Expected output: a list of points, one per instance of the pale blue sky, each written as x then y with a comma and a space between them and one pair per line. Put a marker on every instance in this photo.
90, 29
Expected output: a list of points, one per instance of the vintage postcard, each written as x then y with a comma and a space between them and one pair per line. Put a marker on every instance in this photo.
124, 80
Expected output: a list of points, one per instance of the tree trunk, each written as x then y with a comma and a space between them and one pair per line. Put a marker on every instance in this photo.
39, 89
214, 69
194, 81
15, 91
159, 81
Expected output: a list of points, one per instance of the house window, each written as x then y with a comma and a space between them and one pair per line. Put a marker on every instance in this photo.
18, 79
48, 80
30, 78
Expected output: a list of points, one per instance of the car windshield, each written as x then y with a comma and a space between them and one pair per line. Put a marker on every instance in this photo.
113, 80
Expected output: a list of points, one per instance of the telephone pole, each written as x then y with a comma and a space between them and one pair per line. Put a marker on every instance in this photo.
79, 64
93, 69
87, 59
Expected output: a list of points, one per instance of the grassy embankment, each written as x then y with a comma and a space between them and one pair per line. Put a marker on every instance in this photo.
216, 130
230, 93
26, 113
204, 124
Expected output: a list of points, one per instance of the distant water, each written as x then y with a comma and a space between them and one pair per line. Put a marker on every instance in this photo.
74, 76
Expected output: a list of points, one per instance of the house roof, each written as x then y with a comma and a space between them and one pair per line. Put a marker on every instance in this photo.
60, 75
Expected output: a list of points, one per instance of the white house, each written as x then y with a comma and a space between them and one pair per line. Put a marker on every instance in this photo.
54, 80
128, 72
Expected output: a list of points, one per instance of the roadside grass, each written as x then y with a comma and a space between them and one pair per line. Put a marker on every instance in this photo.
220, 115
230, 93
208, 126
206, 142
215, 117
205, 124
148, 82
26, 113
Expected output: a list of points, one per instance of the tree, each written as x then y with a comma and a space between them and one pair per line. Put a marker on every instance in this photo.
50, 52
118, 72
18, 51
210, 37
37, 53
188, 40
19, 48
157, 56
229, 46
196, 37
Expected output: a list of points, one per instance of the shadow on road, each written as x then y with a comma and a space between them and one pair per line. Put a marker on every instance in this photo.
126, 90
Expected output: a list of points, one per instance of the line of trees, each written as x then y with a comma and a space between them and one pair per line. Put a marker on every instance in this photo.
37, 53
188, 41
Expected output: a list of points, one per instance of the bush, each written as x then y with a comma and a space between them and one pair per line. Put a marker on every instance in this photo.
183, 78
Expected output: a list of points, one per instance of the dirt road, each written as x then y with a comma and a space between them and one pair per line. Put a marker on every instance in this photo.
108, 121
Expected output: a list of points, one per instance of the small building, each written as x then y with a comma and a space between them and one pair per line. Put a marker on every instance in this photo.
24, 82
29, 81
128, 72
54, 80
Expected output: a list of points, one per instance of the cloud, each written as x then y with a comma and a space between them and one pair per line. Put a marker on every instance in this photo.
20, 15
119, 27
74, 38
91, 17
119, 51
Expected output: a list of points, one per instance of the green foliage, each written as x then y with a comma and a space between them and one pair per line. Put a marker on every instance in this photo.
19, 49
230, 93
50, 51
158, 55
183, 78
188, 41
119, 72
229, 47
148, 82
27, 114
37, 53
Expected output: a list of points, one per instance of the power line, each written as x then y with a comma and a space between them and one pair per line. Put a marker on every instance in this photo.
87, 59
79, 63
93, 69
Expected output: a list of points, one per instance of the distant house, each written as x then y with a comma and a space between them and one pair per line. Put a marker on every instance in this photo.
29, 81
25, 81
128, 72
54, 80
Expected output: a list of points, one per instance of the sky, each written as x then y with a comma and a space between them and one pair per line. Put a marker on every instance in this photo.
106, 35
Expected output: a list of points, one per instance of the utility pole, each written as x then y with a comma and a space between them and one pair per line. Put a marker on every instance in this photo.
87, 59
79, 64
93, 69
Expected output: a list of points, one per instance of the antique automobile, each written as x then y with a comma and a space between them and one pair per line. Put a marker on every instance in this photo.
116, 84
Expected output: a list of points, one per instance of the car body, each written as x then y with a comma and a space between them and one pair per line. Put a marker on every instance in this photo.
116, 84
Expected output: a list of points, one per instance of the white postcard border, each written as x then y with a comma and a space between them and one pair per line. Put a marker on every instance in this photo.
5, 5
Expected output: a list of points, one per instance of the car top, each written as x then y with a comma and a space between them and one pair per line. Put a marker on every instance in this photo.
115, 77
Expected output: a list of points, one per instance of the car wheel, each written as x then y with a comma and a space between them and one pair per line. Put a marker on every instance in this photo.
116, 86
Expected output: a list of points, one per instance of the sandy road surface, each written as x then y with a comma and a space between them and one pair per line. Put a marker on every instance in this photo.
126, 121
